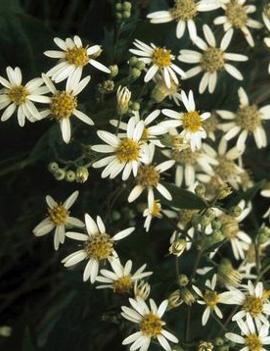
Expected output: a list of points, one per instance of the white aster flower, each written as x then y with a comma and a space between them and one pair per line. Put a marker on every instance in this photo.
212, 60
250, 338
211, 298
73, 57
150, 132
58, 219
127, 153
16, 96
248, 119
160, 59
191, 121
149, 177
98, 246
153, 210
184, 13
63, 104
150, 325
236, 17
120, 279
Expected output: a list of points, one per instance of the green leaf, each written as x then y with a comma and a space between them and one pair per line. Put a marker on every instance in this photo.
182, 198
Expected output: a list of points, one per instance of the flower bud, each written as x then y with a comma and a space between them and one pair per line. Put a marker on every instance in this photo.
219, 341
118, 6
133, 61
200, 190
227, 275
161, 91
114, 70
5, 331
53, 166
178, 247
135, 106
135, 73
263, 234
187, 296
123, 96
82, 174
205, 346
127, 6
70, 176
60, 174
140, 65
235, 211
183, 280
126, 14
141, 289
174, 300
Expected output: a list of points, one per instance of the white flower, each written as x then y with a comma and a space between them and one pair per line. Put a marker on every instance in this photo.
248, 119
15, 95
161, 60
236, 17
127, 152
253, 302
153, 210
63, 104
211, 299
184, 13
121, 280
266, 193
212, 60
250, 338
72, 58
150, 132
148, 178
58, 218
150, 324
98, 246
266, 39
191, 121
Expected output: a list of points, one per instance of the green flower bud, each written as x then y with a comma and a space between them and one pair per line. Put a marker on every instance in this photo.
135, 106
118, 6
60, 174
114, 70
53, 166
126, 14
119, 16
82, 174
127, 6
135, 73
224, 348
133, 61
183, 280
70, 176
235, 211
218, 341
140, 65
216, 224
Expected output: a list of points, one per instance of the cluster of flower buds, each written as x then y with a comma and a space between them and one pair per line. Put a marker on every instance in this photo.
123, 10
80, 175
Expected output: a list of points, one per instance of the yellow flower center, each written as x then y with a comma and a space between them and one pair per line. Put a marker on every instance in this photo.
58, 214
249, 118
128, 150
151, 325
162, 57
185, 156
148, 176
18, 94
230, 226
63, 104
155, 210
99, 247
253, 305
253, 342
226, 169
212, 60
77, 56
236, 14
211, 298
192, 121
184, 10
123, 284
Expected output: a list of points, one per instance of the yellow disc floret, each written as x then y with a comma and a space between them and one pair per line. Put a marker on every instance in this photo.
58, 214
151, 325
211, 298
128, 150
212, 60
77, 56
123, 284
99, 247
253, 342
236, 14
249, 118
184, 10
253, 305
18, 94
162, 57
63, 105
148, 176
192, 121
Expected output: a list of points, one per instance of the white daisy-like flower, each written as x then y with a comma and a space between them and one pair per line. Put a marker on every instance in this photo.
73, 57
150, 325
120, 279
248, 119
191, 121
153, 210
58, 219
184, 13
226, 170
252, 339
212, 60
63, 104
211, 298
150, 132
149, 177
127, 153
98, 246
253, 302
16, 96
160, 59
235, 16
266, 40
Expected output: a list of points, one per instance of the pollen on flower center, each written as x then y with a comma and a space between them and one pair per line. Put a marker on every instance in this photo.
230, 226
253, 305
162, 57
77, 56
192, 121
128, 150
99, 247
58, 214
155, 210
212, 60
184, 10
249, 118
236, 14
123, 284
253, 342
211, 298
18, 94
185, 156
226, 168
151, 325
63, 104
148, 176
